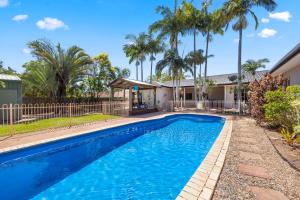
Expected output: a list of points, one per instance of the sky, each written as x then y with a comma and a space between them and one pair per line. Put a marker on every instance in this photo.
100, 26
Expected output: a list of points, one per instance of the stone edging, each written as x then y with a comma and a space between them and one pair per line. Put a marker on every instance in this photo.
202, 184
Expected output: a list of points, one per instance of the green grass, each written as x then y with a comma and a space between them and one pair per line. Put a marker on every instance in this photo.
52, 123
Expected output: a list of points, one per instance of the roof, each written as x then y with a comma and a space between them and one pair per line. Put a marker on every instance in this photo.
5, 77
286, 58
126, 83
219, 79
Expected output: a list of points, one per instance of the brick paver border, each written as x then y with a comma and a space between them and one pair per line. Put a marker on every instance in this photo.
202, 184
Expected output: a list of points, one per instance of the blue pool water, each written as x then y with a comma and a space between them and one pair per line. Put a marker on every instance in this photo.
145, 160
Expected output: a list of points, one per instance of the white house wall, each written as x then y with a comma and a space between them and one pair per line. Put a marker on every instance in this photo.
163, 96
293, 75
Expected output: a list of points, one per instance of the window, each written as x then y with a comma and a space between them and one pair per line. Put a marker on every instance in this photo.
189, 96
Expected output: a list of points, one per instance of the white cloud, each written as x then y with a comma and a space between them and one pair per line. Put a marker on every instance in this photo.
281, 16
236, 40
49, 23
266, 33
265, 20
20, 18
26, 51
4, 3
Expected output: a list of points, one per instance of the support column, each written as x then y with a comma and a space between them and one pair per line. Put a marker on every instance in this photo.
111, 99
184, 96
130, 100
124, 98
154, 97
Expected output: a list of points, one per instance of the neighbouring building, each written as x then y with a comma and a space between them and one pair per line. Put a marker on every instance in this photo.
11, 93
289, 67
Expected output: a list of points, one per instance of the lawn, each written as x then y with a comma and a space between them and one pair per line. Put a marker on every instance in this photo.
52, 123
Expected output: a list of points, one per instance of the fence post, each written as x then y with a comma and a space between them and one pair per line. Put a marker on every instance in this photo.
70, 110
11, 114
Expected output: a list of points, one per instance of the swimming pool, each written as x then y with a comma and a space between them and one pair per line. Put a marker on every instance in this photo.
144, 160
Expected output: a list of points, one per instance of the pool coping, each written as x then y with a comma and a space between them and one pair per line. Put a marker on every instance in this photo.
203, 182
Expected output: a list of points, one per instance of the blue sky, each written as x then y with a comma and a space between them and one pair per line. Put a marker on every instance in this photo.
100, 26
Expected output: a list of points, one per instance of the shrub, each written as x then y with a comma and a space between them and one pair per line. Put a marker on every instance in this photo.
293, 92
257, 90
278, 109
282, 108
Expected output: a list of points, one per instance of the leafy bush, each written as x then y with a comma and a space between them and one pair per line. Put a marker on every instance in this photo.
278, 109
282, 108
257, 90
293, 92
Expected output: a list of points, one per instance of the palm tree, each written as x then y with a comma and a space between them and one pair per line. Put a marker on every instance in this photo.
251, 66
198, 58
193, 21
214, 24
136, 50
238, 11
175, 64
69, 65
154, 46
39, 79
169, 26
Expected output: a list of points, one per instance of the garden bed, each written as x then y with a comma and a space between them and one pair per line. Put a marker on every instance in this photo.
288, 153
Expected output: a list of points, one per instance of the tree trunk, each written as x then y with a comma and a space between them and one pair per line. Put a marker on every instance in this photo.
173, 91
240, 69
142, 77
205, 67
200, 84
137, 72
177, 91
195, 72
151, 68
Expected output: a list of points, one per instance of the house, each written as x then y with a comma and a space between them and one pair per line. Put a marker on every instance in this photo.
289, 67
145, 97
222, 91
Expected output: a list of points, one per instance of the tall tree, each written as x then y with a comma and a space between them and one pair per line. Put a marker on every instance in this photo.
251, 66
136, 50
194, 21
174, 64
39, 80
154, 46
237, 11
198, 58
171, 25
214, 24
69, 65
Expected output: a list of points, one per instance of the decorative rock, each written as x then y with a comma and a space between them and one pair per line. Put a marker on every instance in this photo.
267, 194
254, 171
250, 156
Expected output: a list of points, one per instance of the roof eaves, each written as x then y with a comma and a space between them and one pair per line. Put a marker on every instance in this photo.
286, 58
